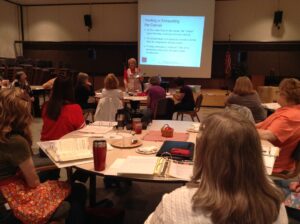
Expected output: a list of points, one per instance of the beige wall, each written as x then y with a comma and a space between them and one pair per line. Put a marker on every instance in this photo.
252, 20
9, 29
111, 22
244, 20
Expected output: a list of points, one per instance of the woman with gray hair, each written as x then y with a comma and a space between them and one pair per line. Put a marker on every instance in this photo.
154, 93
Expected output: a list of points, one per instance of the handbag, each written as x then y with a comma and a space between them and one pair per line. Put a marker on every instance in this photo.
34, 205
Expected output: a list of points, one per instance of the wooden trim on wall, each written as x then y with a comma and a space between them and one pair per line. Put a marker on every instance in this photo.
90, 3
12, 2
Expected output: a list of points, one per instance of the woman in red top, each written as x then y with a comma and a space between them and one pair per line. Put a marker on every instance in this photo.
282, 128
60, 114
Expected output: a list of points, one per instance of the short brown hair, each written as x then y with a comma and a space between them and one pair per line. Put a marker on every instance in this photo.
111, 81
228, 167
243, 86
291, 88
19, 74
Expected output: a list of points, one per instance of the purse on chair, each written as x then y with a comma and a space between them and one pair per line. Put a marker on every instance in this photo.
34, 205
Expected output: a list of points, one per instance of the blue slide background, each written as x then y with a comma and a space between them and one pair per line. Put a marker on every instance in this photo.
171, 40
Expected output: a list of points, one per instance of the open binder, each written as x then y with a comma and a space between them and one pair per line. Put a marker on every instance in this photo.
154, 166
69, 149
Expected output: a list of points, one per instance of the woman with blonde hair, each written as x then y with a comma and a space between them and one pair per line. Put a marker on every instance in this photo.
16, 161
282, 128
133, 80
229, 184
244, 95
110, 100
83, 90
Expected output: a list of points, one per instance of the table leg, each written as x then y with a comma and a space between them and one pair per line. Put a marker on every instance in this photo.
92, 191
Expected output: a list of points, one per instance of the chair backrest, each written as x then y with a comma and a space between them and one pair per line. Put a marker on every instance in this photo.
198, 102
244, 111
164, 109
107, 108
296, 153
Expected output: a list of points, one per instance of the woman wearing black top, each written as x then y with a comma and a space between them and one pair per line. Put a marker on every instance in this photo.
83, 90
185, 96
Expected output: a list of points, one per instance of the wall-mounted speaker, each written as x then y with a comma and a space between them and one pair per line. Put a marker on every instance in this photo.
278, 18
88, 21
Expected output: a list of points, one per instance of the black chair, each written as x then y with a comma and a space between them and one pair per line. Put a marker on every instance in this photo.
296, 171
164, 109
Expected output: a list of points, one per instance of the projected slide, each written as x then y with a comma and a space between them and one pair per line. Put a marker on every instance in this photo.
171, 40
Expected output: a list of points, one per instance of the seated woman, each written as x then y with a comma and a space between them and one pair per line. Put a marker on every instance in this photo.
83, 90
110, 100
133, 79
282, 128
60, 114
185, 96
229, 184
154, 94
21, 82
15, 151
244, 95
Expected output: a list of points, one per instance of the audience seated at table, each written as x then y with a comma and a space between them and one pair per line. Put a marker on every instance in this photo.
133, 78
83, 90
22, 83
282, 128
154, 93
15, 151
229, 184
61, 114
243, 94
110, 100
184, 96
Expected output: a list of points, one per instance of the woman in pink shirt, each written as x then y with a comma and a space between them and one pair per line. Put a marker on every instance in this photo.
282, 128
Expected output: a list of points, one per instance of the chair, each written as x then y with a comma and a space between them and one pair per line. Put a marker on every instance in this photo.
89, 112
192, 113
164, 109
107, 108
296, 171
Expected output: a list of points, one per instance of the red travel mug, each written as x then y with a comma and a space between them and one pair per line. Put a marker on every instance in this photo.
99, 153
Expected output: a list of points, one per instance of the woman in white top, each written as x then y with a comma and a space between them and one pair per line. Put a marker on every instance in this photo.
229, 184
133, 79
110, 100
